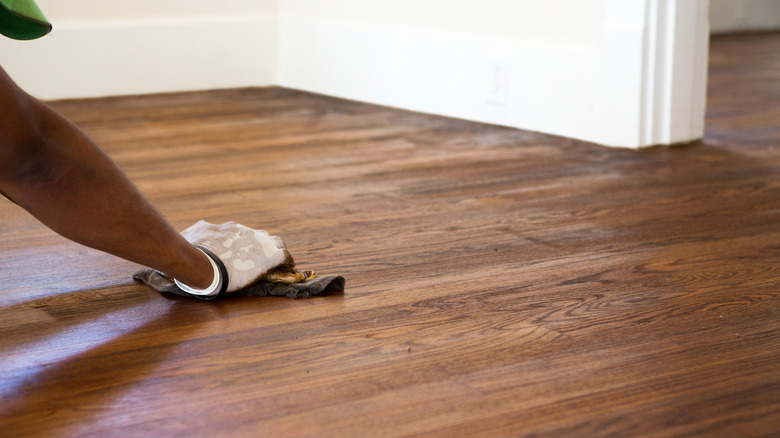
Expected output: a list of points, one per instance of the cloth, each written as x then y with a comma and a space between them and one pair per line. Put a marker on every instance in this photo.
254, 263
249, 255
22, 20
307, 289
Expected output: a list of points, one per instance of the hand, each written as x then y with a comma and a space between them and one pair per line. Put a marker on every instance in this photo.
247, 254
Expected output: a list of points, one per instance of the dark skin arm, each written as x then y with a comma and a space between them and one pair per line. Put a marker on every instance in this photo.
52, 169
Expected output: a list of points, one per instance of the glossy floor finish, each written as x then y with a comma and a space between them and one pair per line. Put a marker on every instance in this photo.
499, 282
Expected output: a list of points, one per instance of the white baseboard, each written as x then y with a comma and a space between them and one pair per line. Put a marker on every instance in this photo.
547, 88
744, 15
91, 59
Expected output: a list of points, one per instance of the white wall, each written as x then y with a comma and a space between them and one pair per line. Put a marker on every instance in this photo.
616, 72
574, 22
627, 73
523, 63
744, 15
110, 47
92, 10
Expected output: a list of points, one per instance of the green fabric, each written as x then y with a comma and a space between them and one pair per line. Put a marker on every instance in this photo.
22, 20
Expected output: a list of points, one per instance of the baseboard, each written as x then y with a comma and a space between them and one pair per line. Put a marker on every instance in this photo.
739, 16
86, 59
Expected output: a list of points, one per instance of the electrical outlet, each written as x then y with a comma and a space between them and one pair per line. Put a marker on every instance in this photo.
498, 86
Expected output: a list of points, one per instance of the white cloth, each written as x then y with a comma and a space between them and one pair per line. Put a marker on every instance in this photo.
247, 254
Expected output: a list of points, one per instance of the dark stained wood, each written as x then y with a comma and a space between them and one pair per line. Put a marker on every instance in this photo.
499, 282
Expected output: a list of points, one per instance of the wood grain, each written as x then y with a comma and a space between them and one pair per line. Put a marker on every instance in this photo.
499, 282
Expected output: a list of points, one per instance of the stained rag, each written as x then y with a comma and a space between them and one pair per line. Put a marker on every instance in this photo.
307, 289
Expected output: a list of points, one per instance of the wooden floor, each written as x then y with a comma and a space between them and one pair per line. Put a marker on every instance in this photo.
499, 282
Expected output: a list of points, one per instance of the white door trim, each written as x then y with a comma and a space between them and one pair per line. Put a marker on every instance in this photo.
654, 71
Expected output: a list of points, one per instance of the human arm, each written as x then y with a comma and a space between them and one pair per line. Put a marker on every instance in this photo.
52, 169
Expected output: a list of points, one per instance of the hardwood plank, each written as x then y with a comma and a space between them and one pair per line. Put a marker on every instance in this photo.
499, 282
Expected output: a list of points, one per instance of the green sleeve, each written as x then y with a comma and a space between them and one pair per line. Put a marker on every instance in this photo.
22, 20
